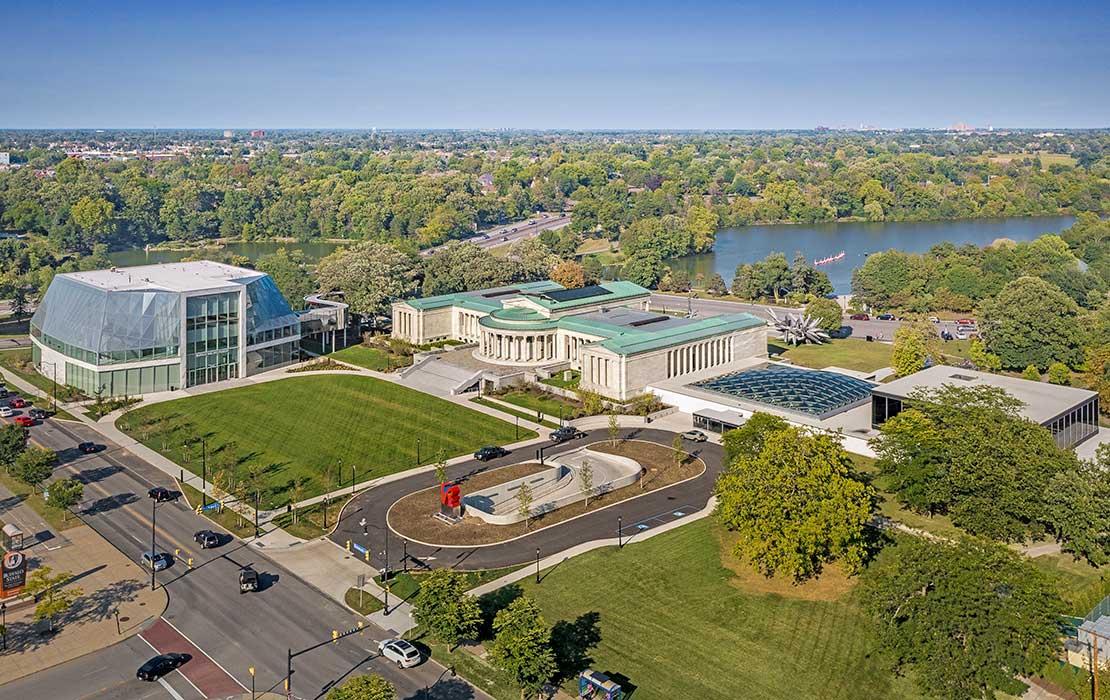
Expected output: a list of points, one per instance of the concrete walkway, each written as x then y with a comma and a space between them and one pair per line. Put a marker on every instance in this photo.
36, 531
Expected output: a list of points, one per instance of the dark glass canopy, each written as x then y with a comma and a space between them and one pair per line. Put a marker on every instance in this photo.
813, 392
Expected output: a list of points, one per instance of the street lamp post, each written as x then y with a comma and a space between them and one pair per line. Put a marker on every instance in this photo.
153, 551
518, 427
251, 671
257, 504
418, 452
352, 479
620, 529
537, 564
405, 554
4, 623
203, 471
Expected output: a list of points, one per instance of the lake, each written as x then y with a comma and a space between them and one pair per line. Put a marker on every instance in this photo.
748, 244
254, 250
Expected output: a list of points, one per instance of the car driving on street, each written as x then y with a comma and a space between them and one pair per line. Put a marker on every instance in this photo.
695, 436
490, 452
160, 665
156, 560
88, 447
566, 433
400, 652
207, 539
161, 494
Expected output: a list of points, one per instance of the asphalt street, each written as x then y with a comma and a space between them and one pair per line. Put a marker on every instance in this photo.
880, 330
236, 631
502, 235
637, 515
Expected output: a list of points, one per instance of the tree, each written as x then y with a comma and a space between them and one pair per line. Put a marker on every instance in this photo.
370, 275
444, 609
441, 468
524, 503
645, 268
12, 443
1032, 322
716, 285
1031, 373
614, 428
827, 313
370, 687
747, 440
34, 465
521, 646
968, 616
586, 479
678, 451
291, 273
64, 494
1077, 507
1058, 373
795, 505
569, 274
1098, 375
966, 452
53, 596
982, 359
908, 355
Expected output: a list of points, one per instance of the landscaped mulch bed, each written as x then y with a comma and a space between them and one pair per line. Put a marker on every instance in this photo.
414, 515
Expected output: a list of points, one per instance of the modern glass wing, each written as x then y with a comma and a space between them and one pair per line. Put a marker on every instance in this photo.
813, 392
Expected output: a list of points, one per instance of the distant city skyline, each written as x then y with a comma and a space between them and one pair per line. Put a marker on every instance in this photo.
647, 65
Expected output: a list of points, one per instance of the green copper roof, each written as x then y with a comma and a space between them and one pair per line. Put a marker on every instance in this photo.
518, 314
619, 290
486, 300
633, 341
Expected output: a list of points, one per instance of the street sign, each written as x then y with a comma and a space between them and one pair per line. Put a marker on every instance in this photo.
358, 548
13, 574
211, 506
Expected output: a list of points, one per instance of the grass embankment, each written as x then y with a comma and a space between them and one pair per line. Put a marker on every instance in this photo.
406, 584
564, 380
313, 431
377, 359
362, 602
677, 618
19, 363
512, 412
226, 518
23, 493
537, 400
847, 353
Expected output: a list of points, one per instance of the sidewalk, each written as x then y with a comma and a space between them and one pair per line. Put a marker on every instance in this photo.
36, 531
114, 588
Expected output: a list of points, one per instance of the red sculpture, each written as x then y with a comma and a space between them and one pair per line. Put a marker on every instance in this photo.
450, 495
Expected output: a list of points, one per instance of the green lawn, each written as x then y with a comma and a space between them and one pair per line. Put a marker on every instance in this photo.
57, 518
548, 404
362, 602
224, 517
299, 429
372, 358
847, 353
18, 362
406, 584
676, 623
890, 507
561, 383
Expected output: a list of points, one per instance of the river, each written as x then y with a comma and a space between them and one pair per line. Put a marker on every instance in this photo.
751, 243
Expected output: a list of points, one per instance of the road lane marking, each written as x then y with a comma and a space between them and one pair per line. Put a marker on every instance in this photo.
162, 680
186, 637
171, 691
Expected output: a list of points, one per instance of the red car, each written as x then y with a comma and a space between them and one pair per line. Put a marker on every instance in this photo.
966, 322
17, 403
25, 421
860, 317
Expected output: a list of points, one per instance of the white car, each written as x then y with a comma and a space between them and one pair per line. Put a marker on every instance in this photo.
400, 652
6, 412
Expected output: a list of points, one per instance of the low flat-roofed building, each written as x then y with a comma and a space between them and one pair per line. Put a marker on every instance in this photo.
1070, 413
139, 330
605, 330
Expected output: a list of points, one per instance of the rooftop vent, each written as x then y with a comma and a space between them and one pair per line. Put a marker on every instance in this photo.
646, 321
503, 292
962, 377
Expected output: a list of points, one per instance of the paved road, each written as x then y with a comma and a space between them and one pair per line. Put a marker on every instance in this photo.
502, 235
236, 631
883, 330
641, 513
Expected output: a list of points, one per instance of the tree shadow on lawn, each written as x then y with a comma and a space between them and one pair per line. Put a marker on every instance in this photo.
572, 643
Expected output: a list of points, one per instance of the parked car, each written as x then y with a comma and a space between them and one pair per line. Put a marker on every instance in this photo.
39, 413
161, 493
860, 317
206, 539
695, 436
531, 222
400, 652
566, 433
490, 452
25, 421
18, 402
3, 393
960, 335
6, 412
88, 448
160, 665
965, 322
887, 317
934, 319
156, 560
248, 581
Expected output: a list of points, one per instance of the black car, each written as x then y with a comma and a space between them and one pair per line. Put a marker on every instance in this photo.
38, 413
161, 493
88, 447
207, 539
566, 433
887, 317
161, 665
490, 452
248, 581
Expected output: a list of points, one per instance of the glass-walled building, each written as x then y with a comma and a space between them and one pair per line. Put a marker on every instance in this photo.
155, 328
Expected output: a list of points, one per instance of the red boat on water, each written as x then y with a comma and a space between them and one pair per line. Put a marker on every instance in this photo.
831, 259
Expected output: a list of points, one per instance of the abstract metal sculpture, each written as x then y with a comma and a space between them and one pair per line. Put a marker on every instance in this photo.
798, 328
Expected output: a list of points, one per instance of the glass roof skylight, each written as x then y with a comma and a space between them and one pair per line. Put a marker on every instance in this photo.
813, 392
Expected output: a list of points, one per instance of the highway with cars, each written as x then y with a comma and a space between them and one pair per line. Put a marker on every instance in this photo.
511, 233
637, 514
225, 632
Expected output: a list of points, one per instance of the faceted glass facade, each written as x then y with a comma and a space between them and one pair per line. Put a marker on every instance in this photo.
104, 328
212, 338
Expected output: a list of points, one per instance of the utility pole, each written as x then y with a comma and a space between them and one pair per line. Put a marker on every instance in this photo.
257, 503
153, 551
203, 472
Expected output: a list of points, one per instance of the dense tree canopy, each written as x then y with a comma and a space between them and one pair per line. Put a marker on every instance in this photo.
968, 616
1032, 322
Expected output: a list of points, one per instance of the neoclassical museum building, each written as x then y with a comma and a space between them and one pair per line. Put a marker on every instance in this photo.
606, 331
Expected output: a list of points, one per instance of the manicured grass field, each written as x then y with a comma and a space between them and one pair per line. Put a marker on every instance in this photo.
676, 623
371, 358
298, 429
548, 404
560, 382
523, 415
847, 353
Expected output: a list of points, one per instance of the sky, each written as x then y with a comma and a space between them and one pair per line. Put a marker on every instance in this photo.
553, 65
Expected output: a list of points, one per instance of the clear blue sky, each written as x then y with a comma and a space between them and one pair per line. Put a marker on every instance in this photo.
520, 64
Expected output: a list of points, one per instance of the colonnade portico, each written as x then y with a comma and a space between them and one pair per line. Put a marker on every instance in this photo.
504, 346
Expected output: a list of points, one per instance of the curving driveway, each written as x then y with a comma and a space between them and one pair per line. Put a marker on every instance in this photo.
638, 514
